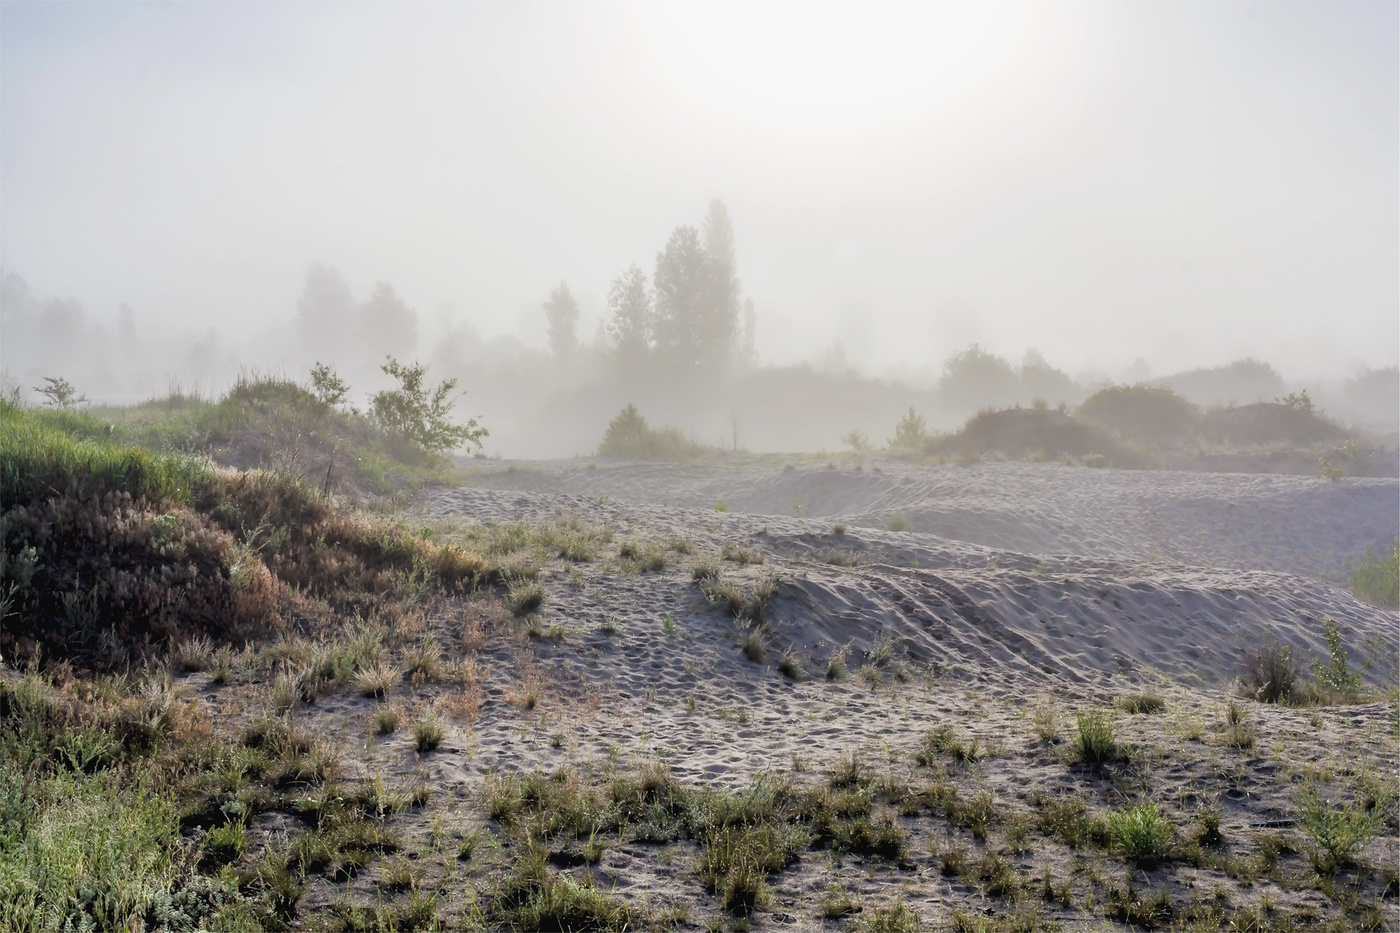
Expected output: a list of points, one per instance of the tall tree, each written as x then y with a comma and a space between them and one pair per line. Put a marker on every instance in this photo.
682, 283
724, 283
387, 325
561, 311
325, 313
630, 323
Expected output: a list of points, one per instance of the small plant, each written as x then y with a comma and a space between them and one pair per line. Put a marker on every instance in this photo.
899, 522
386, 720
721, 506
739, 555
1337, 678
836, 665
428, 734
1094, 741
668, 625
837, 902
227, 843
1330, 471
1047, 723
1270, 673
754, 644
838, 529
522, 599
1140, 834
1337, 832
910, 434
376, 680
790, 665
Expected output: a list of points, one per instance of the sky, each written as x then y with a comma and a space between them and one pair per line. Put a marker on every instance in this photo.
1180, 184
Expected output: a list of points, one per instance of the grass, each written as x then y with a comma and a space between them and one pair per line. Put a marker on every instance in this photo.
1093, 741
1141, 834
428, 734
1139, 704
899, 522
1338, 832
524, 598
1376, 577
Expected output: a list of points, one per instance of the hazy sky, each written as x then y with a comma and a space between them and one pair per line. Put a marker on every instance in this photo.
1186, 183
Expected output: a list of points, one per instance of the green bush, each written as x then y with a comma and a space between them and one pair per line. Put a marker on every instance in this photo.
419, 417
1142, 412
628, 437
1338, 833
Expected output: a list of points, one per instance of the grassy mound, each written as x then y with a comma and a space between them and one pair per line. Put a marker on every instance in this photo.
1266, 423
1036, 434
105, 547
1151, 414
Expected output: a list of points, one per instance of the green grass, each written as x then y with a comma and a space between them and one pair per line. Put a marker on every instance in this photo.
1141, 834
1093, 741
1376, 577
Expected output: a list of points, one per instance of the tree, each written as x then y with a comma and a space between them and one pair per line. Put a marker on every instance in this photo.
325, 311
330, 390
421, 419
694, 330
387, 325
747, 355
561, 311
630, 321
974, 376
911, 433
724, 281
60, 393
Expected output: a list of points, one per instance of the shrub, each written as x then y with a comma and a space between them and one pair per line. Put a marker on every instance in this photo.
1337, 832
899, 522
628, 437
1336, 677
428, 734
419, 417
1140, 834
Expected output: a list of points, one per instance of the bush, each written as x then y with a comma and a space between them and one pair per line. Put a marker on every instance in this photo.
629, 438
1337, 832
418, 417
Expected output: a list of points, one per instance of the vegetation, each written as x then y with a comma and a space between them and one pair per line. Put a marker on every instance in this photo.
1376, 577
418, 417
629, 438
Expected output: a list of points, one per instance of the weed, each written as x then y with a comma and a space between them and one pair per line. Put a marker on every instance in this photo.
1376, 577
1270, 673
837, 902
721, 506
791, 666
1047, 723
739, 554
836, 664
376, 680
754, 644
899, 522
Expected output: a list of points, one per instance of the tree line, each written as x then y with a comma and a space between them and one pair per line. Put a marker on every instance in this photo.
687, 318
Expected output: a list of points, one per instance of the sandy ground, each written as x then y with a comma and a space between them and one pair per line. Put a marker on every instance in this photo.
1018, 587
1245, 521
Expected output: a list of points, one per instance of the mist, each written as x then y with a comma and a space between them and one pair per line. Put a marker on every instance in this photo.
949, 209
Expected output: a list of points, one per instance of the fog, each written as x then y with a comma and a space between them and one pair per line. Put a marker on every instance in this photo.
947, 207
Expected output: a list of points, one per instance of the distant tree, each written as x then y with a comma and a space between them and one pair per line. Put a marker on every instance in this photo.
60, 393
747, 353
693, 328
1041, 380
630, 321
911, 433
973, 376
126, 325
420, 417
1298, 401
561, 311
325, 312
387, 325
858, 441
724, 281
